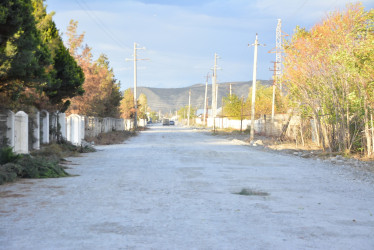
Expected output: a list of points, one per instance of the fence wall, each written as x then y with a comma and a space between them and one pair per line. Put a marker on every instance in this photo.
282, 124
24, 132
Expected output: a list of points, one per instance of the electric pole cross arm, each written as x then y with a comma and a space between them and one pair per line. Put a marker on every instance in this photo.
135, 59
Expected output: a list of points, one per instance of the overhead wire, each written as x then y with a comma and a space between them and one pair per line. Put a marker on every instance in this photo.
91, 14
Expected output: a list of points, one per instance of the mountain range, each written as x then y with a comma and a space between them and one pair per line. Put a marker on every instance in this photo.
172, 99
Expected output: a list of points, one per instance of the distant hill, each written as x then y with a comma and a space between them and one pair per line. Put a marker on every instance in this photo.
172, 99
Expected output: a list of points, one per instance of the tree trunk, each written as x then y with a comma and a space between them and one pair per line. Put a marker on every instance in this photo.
367, 131
320, 132
316, 131
301, 132
348, 133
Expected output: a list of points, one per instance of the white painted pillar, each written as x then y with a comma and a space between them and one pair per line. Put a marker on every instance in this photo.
62, 121
44, 124
21, 133
36, 131
82, 129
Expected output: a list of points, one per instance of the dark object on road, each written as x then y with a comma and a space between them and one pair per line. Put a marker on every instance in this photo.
165, 122
171, 122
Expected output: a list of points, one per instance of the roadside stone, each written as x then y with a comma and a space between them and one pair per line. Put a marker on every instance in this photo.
259, 142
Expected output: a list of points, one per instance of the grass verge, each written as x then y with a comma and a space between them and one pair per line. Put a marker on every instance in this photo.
114, 137
44, 163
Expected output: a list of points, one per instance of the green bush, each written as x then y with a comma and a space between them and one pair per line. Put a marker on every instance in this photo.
39, 167
43, 163
7, 155
8, 172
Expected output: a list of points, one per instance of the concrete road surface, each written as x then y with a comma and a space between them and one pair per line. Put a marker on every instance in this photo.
175, 188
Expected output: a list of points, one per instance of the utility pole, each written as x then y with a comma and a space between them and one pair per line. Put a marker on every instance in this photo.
222, 115
274, 83
135, 59
214, 91
254, 88
278, 55
216, 97
230, 90
206, 114
214, 87
189, 108
206, 96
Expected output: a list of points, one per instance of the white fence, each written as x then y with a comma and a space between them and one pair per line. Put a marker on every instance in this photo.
282, 123
24, 132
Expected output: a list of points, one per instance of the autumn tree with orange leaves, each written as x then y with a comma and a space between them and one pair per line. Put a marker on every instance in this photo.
329, 72
102, 91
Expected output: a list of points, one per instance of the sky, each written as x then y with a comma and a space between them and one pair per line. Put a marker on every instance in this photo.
181, 36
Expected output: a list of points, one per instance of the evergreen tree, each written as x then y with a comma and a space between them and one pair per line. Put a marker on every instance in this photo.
66, 77
23, 55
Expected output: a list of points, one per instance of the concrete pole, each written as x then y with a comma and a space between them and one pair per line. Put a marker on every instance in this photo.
206, 95
273, 102
222, 114
206, 114
135, 98
189, 108
254, 91
216, 96
214, 88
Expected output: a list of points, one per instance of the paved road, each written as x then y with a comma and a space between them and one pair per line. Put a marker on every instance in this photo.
174, 188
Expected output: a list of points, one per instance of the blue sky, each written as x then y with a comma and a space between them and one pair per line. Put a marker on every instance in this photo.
181, 37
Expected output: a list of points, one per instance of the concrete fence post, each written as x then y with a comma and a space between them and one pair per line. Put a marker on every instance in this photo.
44, 126
10, 128
62, 122
21, 133
74, 129
35, 127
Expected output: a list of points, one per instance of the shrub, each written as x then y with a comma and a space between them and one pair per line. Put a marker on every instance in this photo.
7, 155
8, 172
39, 167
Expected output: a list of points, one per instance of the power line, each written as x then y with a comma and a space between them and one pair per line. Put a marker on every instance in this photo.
84, 6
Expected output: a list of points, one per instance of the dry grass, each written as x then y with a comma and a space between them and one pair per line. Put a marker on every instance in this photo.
114, 137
